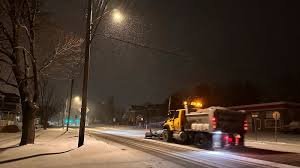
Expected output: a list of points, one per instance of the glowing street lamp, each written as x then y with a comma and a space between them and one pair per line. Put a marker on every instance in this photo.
117, 16
77, 99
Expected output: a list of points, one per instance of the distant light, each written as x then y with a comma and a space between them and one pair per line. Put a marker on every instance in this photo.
118, 17
185, 103
197, 104
77, 99
70, 121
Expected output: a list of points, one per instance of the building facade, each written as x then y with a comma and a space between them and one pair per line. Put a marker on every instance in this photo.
142, 114
260, 116
10, 107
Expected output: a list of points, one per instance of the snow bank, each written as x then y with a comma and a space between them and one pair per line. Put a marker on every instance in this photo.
54, 148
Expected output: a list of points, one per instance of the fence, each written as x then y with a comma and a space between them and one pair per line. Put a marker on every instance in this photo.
6, 122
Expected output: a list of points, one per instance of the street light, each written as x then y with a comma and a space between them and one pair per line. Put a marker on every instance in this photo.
77, 102
77, 99
117, 16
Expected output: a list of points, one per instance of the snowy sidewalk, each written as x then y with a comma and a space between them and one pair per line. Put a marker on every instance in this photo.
266, 140
55, 148
269, 137
274, 146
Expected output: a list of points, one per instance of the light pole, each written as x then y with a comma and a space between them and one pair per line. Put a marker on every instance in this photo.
70, 104
88, 38
118, 17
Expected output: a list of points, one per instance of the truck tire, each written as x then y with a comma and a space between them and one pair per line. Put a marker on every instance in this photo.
167, 135
203, 140
242, 141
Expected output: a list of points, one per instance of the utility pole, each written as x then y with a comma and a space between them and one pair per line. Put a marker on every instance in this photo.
88, 38
169, 105
70, 104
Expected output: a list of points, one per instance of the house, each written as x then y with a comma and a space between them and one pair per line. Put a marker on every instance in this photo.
262, 114
104, 111
9, 94
147, 113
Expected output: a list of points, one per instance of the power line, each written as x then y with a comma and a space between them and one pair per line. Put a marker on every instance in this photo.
160, 50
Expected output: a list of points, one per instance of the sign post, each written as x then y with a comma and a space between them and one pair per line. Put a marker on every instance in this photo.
254, 116
114, 121
276, 116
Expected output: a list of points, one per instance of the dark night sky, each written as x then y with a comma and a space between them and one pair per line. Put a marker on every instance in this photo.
219, 41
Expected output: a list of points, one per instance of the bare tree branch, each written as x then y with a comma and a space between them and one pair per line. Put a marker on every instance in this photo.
5, 52
99, 13
6, 33
69, 48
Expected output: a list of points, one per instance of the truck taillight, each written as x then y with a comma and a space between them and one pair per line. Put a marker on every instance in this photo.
237, 140
214, 123
245, 125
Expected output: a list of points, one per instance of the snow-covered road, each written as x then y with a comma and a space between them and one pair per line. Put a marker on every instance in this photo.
126, 147
196, 156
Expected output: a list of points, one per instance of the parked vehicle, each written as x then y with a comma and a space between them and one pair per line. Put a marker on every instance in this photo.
292, 127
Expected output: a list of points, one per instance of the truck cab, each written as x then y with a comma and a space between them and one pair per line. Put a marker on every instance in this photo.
175, 120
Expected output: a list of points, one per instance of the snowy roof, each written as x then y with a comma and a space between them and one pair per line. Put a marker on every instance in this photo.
272, 105
211, 110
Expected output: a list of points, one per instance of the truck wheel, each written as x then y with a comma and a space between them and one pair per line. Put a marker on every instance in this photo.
203, 141
242, 141
167, 135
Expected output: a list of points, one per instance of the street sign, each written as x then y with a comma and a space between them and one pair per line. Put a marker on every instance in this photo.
276, 115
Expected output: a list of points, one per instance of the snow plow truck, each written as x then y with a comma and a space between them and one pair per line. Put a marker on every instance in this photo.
213, 127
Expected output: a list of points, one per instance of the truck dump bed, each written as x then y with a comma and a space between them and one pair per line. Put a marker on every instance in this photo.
229, 121
215, 119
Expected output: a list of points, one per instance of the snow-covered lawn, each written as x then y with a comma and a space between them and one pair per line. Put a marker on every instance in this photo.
269, 137
55, 148
266, 140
